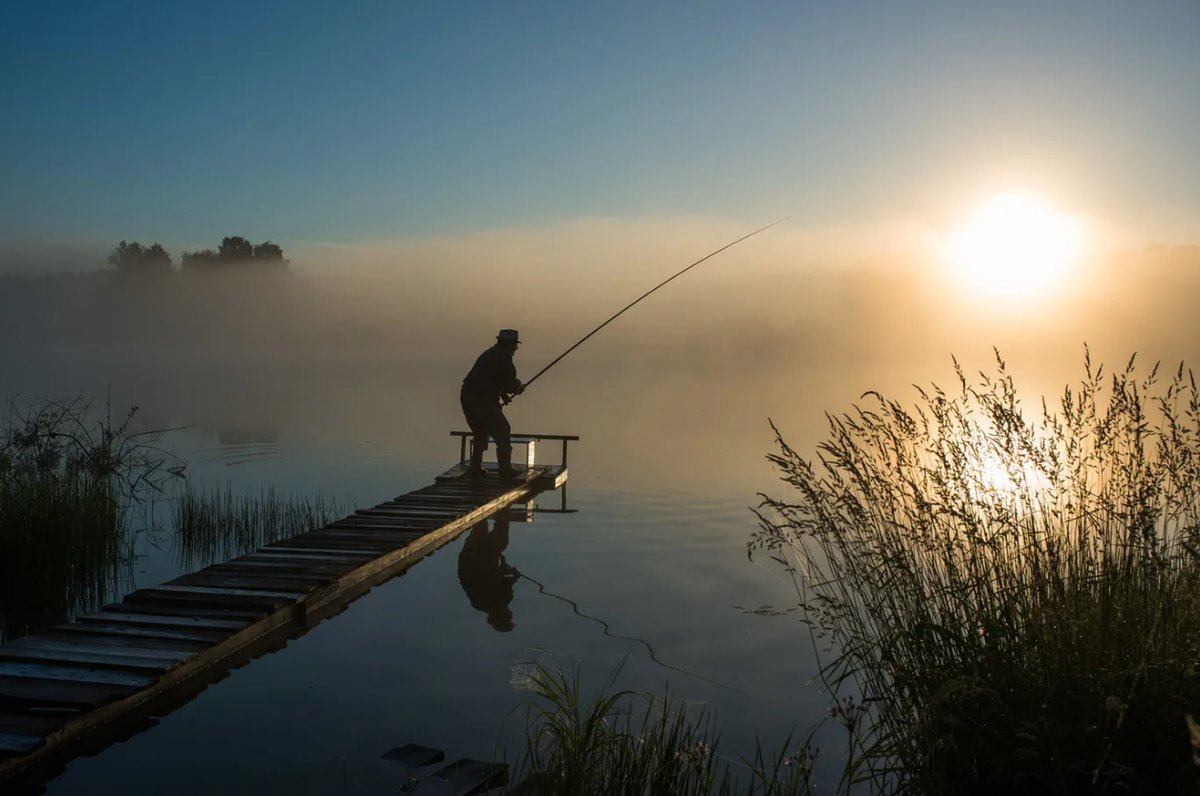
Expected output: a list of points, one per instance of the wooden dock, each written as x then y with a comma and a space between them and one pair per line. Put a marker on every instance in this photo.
79, 686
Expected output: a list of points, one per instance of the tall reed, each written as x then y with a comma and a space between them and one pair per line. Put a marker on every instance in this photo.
621, 743
217, 524
71, 479
1015, 601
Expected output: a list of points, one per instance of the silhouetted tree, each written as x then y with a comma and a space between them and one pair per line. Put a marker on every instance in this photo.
205, 257
235, 250
134, 258
269, 252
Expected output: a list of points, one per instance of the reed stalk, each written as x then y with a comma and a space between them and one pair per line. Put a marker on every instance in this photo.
1014, 602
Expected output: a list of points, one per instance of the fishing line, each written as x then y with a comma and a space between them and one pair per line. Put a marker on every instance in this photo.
649, 648
628, 306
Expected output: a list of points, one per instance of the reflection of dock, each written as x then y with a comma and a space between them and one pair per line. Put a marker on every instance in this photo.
78, 686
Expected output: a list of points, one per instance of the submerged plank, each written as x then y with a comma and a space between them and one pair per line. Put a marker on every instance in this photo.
462, 778
19, 744
414, 755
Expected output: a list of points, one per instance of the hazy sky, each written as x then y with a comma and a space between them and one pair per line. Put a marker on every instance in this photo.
310, 122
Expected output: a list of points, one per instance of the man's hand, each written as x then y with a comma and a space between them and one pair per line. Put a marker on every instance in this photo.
520, 389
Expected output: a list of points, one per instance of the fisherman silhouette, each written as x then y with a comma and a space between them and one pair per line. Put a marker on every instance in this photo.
492, 379
486, 578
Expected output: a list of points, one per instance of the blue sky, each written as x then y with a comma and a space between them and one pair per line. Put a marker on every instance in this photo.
351, 121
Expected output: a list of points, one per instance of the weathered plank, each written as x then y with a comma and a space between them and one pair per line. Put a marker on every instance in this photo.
129, 663
36, 725
203, 597
462, 778
250, 581
199, 612
83, 674
102, 641
62, 693
414, 755
19, 744
303, 549
193, 636
113, 614
295, 567
398, 524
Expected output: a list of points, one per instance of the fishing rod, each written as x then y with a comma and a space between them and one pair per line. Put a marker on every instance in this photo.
628, 306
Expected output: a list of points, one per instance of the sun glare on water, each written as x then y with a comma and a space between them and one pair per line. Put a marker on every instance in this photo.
1015, 245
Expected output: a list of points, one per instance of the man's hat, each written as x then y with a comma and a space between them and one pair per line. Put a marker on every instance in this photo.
508, 336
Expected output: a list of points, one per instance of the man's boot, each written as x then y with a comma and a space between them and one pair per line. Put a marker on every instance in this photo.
476, 469
504, 457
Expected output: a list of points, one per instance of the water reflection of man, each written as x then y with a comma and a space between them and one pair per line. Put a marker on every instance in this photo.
492, 379
486, 578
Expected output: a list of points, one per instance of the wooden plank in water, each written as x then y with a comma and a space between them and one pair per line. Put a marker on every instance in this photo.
115, 614
389, 534
19, 744
425, 504
29, 724
463, 778
115, 644
187, 611
61, 693
372, 549
396, 525
135, 637
83, 674
250, 581
150, 633
420, 501
309, 551
127, 663
293, 566
262, 602
414, 755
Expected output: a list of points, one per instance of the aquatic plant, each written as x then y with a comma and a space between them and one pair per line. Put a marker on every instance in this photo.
70, 481
624, 743
216, 524
1014, 602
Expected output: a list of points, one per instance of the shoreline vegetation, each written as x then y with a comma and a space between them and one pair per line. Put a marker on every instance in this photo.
79, 488
71, 485
1006, 604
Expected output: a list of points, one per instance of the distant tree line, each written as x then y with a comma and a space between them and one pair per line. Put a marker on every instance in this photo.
134, 258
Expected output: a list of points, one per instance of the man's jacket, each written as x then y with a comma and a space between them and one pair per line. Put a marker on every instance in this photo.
492, 377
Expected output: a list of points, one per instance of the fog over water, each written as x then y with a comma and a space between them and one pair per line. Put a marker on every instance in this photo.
340, 377
375, 337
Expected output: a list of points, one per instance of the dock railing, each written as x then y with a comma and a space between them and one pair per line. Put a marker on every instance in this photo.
530, 442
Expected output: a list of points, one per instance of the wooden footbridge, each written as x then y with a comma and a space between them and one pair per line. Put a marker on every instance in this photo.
79, 686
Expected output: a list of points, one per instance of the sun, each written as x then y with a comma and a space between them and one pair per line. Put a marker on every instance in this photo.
1015, 245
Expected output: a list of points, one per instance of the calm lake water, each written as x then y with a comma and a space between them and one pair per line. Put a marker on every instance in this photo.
353, 399
650, 575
